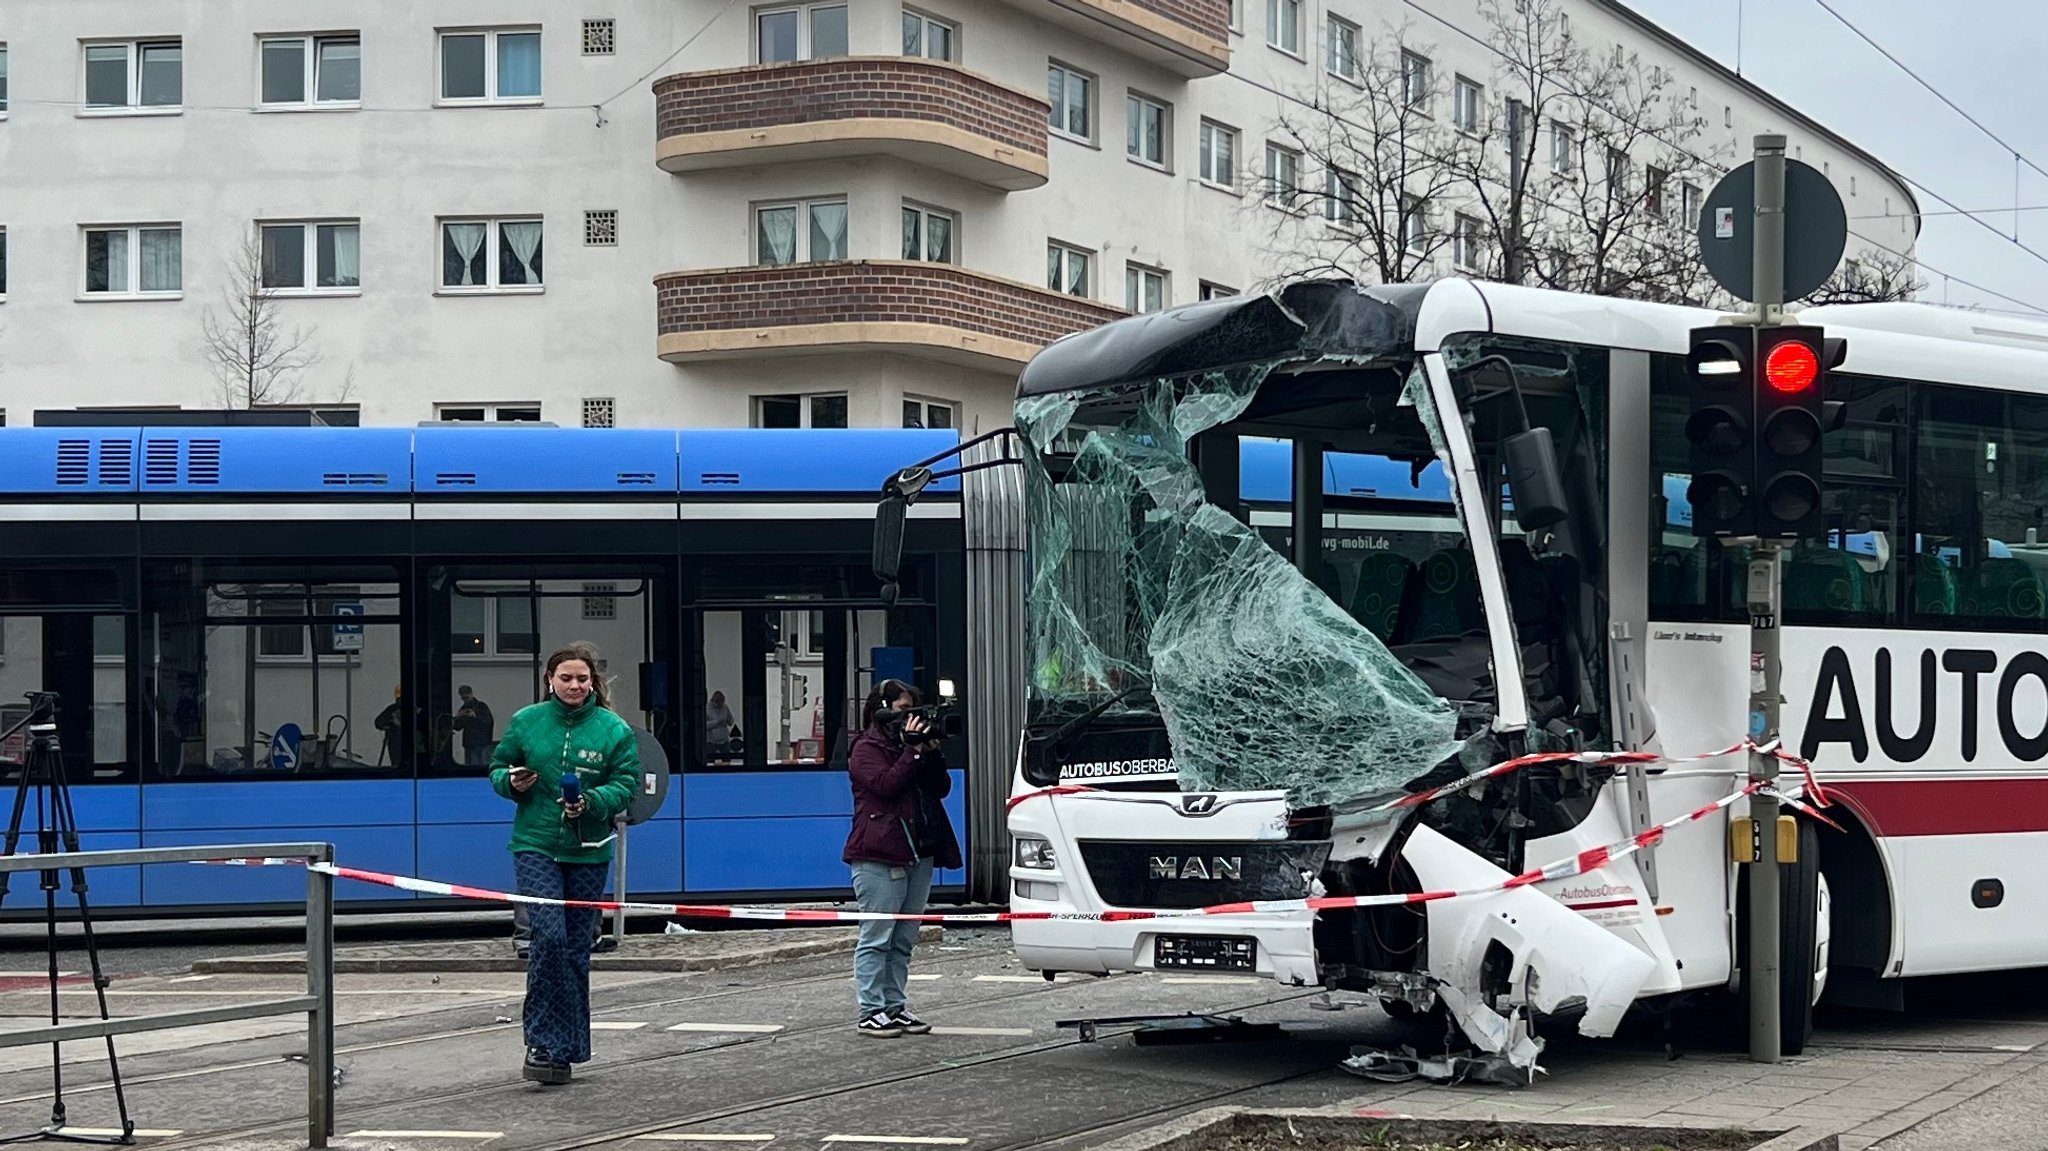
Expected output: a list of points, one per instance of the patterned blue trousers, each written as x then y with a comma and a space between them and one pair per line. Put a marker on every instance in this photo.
557, 1017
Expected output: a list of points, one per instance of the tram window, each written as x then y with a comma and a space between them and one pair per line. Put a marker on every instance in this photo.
83, 659
1980, 509
766, 704
275, 672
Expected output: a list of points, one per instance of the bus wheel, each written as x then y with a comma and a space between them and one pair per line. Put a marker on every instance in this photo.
1801, 965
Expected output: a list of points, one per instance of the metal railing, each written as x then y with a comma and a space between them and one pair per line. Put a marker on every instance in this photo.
317, 1003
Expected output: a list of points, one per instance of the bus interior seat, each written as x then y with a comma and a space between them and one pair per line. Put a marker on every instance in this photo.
1822, 579
1447, 598
1674, 574
1934, 586
2004, 588
1376, 600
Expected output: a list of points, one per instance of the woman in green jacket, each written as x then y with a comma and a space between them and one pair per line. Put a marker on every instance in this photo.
562, 848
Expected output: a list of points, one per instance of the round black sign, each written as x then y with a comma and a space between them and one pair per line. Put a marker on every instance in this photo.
1816, 231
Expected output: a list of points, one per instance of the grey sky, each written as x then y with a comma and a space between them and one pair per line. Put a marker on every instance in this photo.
1982, 54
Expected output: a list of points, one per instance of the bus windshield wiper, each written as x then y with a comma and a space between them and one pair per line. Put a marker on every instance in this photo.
1086, 719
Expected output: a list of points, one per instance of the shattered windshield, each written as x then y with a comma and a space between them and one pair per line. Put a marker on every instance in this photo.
1146, 599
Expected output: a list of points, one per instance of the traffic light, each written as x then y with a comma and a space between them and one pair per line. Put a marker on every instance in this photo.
1789, 410
1721, 390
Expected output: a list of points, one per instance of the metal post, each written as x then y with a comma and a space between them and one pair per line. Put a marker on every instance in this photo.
1766, 572
619, 881
320, 985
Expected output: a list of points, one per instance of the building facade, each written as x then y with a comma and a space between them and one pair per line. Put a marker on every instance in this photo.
663, 212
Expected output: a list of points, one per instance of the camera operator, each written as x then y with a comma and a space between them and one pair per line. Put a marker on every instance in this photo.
900, 832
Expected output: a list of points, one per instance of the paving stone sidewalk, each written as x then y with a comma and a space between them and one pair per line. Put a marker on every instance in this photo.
696, 951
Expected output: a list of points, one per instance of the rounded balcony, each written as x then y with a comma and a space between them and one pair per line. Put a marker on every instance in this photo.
927, 112
1187, 37
931, 311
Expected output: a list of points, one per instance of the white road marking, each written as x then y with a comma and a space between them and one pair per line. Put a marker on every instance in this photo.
37, 975
708, 1138
190, 979
477, 1135
1061, 978
981, 1031
103, 1132
922, 1140
612, 1025
1212, 979
762, 1028
927, 977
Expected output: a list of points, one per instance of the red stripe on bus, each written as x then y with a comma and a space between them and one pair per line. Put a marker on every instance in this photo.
1947, 807
1599, 906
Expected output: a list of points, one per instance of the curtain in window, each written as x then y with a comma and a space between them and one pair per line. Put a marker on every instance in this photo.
341, 70
106, 261
461, 267
913, 234
518, 64
828, 231
162, 260
519, 253
778, 236
340, 256
939, 239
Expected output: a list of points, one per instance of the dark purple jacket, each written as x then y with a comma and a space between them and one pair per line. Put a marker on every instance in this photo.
891, 782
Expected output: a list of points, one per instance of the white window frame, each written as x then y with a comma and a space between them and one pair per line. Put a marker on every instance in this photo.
3, 292
1089, 84
926, 213
1273, 196
1468, 97
1284, 14
1210, 290
1212, 131
309, 90
490, 98
1340, 197
1465, 242
804, 48
1415, 71
1689, 200
133, 107
1237, 16
493, 227
309, 246
1337, 32
1563, 149
804, 208
3, 77
1414, 225
1142, 105
1136, 277
928, 404
805, 399
492, 631
134, 269
924, 35
1067, 253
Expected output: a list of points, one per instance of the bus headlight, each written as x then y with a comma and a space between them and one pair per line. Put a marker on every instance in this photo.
1035, 854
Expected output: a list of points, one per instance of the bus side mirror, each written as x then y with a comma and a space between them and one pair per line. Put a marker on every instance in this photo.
894, 509
1534, 480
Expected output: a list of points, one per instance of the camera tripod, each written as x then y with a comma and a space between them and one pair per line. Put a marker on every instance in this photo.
42, 771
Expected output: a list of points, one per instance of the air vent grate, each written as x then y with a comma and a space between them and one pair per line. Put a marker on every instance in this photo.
356, 479
117, 463
455, 479
74, 462
636, 479
160, 462
202, 462
723, 479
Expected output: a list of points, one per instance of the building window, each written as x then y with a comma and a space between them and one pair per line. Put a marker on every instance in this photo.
919, 413
493, 66
1653, 190
1563, 147
1283, 177
1465, 242
134, 261
1414, 225
1283, 25
1617, 172
799, 32
928, 234
1066, 269
311, 257
302, 71
488, 413
806, 231
486, 622
600, 38
928, 36
1341, 58
1144, 288
1071, 95
1147, 121
3, 270
1340, 197
1689, 203
1237, 15
496, 254
1219, 155
794, 411
140, 74
3, 79
1209, 291
1415, 80
601, 228
1467, 97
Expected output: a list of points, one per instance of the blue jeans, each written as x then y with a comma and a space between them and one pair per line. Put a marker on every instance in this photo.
881, 961
557, 1015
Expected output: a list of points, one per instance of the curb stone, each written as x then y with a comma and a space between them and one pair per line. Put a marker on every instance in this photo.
1191, 1131
660, 953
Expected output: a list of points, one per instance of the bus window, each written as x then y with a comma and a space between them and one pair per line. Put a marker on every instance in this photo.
1980, 500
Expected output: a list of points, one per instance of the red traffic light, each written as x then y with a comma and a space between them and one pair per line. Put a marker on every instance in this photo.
1791, 367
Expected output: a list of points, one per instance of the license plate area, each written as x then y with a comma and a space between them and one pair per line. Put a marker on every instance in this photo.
1205, 953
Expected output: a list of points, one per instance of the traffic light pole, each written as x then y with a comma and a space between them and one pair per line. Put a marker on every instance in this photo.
1762, 978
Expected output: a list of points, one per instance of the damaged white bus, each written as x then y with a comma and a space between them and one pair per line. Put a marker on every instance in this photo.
1218, 694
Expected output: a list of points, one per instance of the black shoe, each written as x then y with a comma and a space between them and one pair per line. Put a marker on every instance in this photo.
880, 1025
911, 1024
541, 1067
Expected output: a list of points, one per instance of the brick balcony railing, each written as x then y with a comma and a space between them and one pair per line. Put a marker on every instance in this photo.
938, 310
926, 111
1191, 37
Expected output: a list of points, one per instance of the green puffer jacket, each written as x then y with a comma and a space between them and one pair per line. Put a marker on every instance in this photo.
552, 738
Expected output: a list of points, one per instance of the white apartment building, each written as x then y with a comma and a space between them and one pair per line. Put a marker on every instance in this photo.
681, 212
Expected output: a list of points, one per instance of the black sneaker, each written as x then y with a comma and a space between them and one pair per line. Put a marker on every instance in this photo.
880, 1025
540, 1067
911, 1024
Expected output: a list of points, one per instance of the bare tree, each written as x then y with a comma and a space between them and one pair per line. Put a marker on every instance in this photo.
254, 357
1875, 276
1383, 157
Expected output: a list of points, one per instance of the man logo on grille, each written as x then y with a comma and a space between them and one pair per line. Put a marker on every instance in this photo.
1197, 804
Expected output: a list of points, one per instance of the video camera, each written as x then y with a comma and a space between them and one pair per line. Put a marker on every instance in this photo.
941, 721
